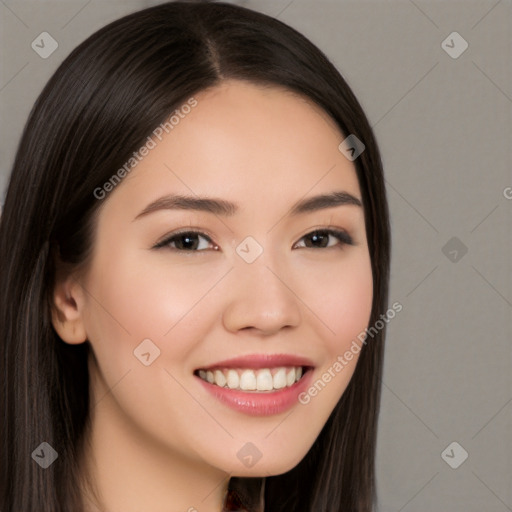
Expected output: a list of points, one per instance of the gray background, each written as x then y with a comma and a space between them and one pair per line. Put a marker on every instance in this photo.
444, 126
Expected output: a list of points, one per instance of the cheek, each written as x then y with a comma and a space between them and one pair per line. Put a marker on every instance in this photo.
351, 313
343, 305
135, 301
341, 299
132, 299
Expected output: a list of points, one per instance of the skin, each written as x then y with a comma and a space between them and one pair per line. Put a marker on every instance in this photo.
158, 437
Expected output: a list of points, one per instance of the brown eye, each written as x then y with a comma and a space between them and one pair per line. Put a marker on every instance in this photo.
319, 239
186, 241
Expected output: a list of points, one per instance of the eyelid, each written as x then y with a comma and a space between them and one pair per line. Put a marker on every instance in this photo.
341, 234
166, 240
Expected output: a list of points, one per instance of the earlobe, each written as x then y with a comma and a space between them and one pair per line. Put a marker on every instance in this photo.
67, 311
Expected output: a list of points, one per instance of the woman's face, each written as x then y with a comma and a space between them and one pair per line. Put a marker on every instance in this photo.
255, 283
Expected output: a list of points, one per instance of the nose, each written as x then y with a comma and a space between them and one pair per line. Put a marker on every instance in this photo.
260, 300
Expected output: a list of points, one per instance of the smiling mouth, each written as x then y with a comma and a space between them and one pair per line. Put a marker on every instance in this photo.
252, 380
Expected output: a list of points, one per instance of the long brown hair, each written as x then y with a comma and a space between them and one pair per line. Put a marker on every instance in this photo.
98, 108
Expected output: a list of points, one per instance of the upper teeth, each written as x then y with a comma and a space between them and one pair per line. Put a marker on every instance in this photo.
264, 379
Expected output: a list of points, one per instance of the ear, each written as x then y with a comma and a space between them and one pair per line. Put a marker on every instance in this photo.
67, 306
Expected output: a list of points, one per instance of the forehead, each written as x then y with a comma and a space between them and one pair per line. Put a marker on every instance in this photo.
245, 142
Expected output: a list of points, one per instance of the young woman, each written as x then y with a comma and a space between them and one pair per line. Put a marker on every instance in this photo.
194, 243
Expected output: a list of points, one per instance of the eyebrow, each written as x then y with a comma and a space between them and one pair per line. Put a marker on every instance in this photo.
228, 209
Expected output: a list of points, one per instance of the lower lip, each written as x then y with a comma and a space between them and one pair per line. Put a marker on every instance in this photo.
262, 403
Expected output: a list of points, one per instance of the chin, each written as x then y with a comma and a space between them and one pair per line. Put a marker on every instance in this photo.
268, 467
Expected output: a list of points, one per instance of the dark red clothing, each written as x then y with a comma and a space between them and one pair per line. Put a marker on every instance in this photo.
245, 495
234, 503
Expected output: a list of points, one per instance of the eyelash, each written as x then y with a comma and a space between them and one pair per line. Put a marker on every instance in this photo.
343, 237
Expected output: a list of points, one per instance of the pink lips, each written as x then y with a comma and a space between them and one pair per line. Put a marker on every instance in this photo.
261, 403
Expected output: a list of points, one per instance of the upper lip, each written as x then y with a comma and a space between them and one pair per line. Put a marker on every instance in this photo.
261, 361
